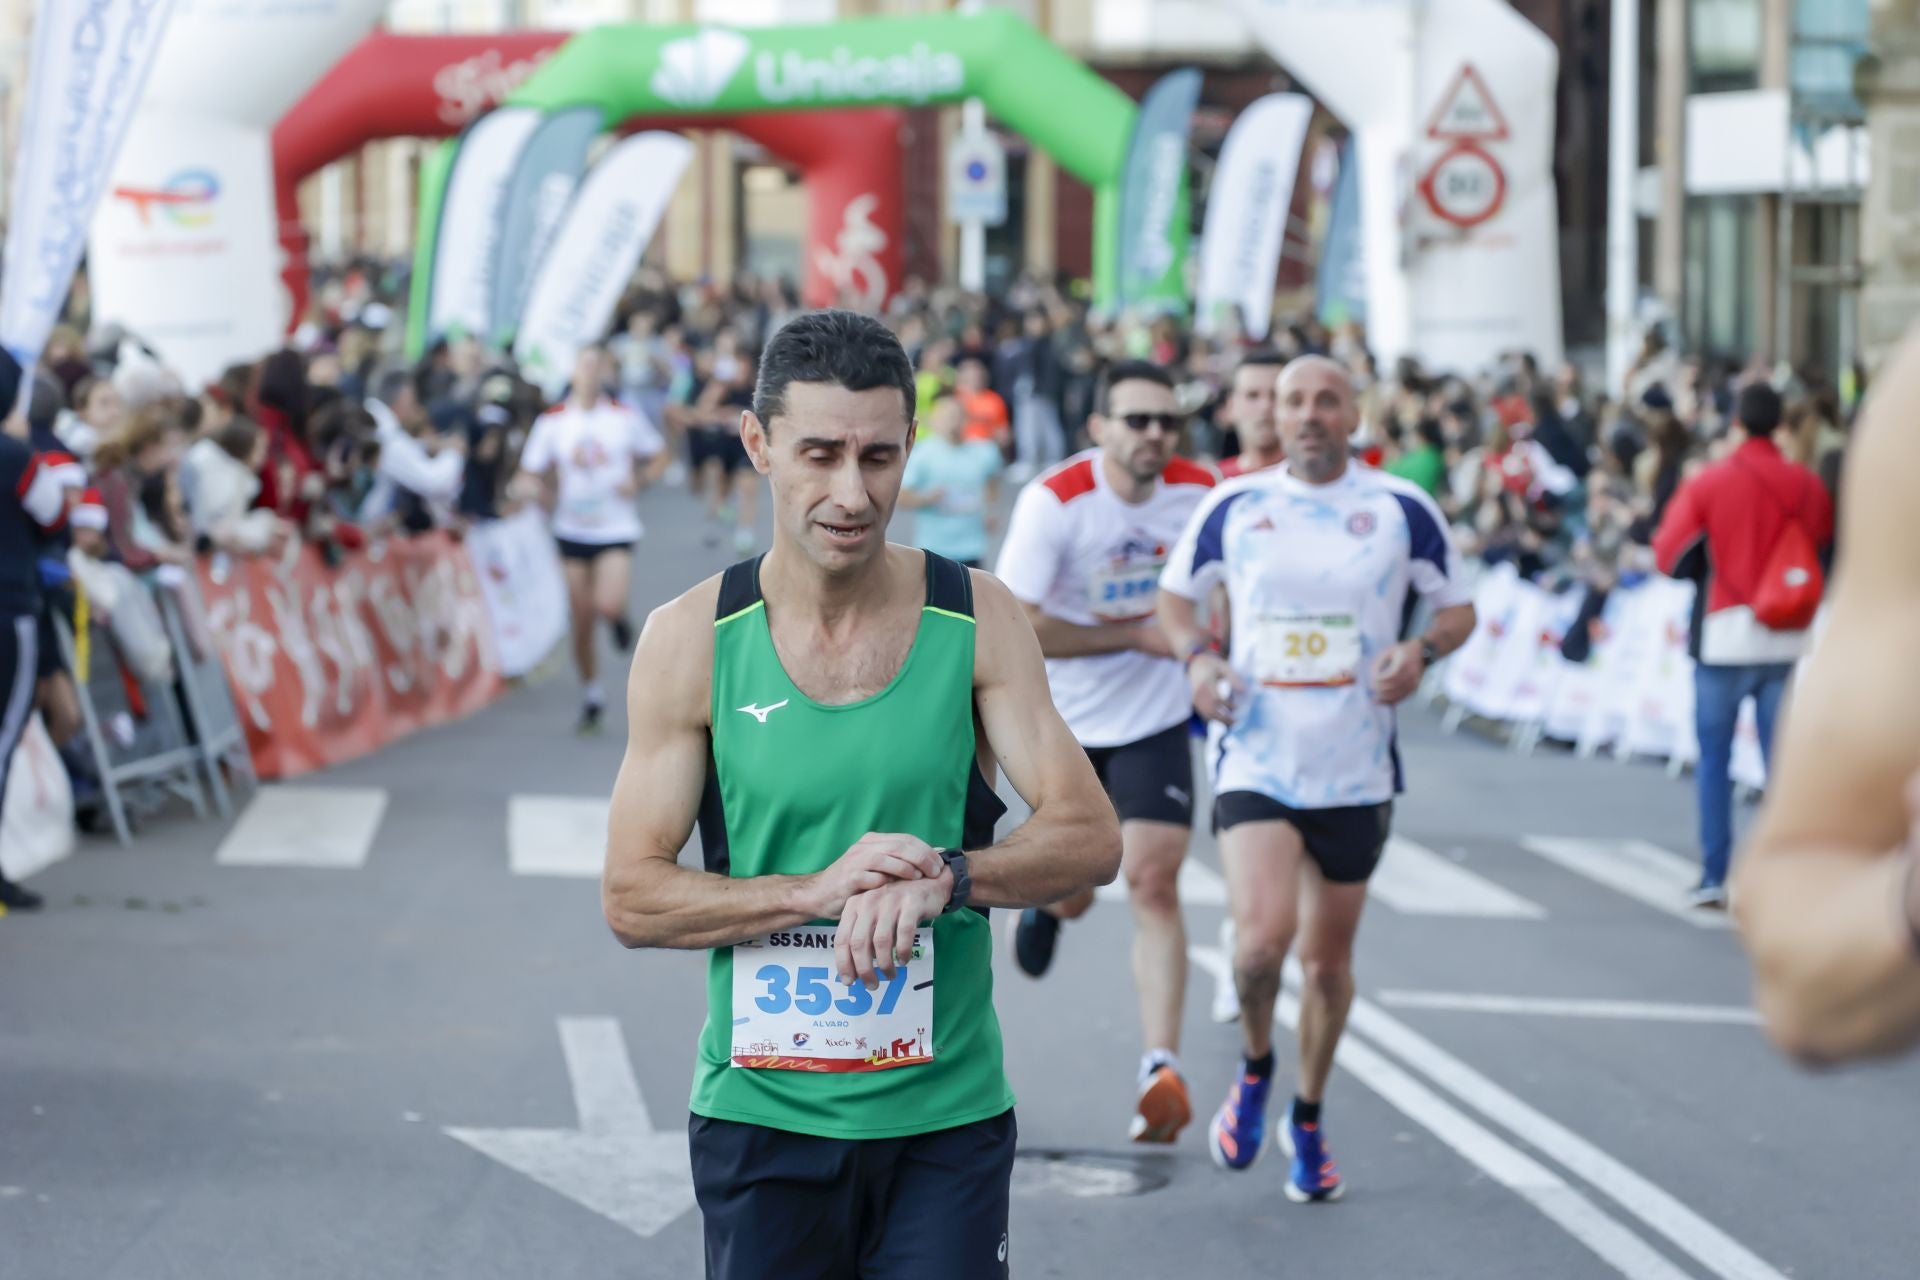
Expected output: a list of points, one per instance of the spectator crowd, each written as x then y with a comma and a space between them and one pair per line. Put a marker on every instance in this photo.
335, 439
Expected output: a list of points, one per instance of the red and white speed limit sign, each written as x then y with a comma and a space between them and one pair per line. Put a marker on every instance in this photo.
1464, 185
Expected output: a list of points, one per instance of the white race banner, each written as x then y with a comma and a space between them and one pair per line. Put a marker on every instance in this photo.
86, 72
249, 61
1247, 213
36, 814
467, 249
183, 250
606, 228
526, 594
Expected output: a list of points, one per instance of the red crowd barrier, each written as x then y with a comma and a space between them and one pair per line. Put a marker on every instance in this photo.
327, 664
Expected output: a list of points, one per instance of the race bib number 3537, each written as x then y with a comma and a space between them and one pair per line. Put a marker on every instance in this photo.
790, 1014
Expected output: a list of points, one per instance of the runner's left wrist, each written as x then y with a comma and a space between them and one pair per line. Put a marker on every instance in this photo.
960, 892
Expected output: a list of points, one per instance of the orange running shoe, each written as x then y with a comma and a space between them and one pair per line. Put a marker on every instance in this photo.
1163, 1109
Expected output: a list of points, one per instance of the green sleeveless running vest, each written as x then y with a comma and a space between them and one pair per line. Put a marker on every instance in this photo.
791, 783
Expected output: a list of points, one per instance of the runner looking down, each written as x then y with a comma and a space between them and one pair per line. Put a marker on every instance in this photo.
1083, 553
1320, 559
830, 714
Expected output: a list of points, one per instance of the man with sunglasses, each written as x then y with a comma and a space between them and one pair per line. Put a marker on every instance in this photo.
1320, 558
1083, 553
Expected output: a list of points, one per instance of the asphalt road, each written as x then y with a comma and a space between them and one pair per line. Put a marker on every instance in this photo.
379, 1030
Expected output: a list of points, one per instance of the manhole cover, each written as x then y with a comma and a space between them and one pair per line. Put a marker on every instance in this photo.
1083, 1175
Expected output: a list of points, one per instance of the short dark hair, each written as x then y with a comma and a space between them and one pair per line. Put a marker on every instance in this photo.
1130, 371
1260, 358
1757, 409
839, 348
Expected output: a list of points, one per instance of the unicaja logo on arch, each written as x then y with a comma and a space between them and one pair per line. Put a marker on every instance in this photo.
917, 75
695, 70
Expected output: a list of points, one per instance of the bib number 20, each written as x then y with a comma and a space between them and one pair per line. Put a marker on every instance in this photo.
810, 991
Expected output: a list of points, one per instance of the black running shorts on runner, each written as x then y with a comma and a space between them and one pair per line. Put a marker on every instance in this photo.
1345, 843
589, 551
716, 444
796, 1207
1150, 780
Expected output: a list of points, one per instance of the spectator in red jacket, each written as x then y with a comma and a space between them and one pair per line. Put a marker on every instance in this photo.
1725, 529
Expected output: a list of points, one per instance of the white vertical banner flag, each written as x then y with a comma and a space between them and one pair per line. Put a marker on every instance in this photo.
467, 250
183, 250
89, 63
593, 255
1247, 213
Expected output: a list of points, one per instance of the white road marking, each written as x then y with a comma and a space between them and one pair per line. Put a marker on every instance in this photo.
1642, 871
1200, 886
1415, 880
1713, 1248
287, 826
1573, 1212
1628, 1010
615, 1163
557, 836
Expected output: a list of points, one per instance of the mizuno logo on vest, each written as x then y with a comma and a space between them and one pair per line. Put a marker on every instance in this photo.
761, 713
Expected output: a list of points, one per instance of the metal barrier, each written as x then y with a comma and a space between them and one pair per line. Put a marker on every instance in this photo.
214, 726
137, 754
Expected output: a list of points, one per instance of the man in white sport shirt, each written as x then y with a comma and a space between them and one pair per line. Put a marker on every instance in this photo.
1320, 558
587, 459
1083, 553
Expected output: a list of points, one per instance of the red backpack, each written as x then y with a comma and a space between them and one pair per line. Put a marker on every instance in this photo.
1791, 585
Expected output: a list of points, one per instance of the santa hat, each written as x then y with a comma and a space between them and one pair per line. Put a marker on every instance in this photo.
89, 510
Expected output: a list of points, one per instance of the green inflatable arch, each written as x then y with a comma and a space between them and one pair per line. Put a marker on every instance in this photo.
635, 70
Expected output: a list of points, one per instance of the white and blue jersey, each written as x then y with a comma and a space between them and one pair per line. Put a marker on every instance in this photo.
1320, 580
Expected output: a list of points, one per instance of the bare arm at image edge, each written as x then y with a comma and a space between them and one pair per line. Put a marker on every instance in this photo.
1824, 892
1072, 841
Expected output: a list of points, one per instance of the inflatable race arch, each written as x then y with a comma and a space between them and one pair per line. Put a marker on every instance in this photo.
397, 86
707, 76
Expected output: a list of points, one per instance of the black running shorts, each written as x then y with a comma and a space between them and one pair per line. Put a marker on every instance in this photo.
1150, 780
716, 444
589, 551
792, 1206
1345, 843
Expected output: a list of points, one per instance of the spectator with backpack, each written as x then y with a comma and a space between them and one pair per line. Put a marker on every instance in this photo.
1751, 531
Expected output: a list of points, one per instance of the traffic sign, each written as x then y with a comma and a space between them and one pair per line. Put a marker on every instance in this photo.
1464, 185
977, 180
1467, 111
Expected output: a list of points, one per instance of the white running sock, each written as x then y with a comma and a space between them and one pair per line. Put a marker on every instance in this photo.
1154, 1059
594, 696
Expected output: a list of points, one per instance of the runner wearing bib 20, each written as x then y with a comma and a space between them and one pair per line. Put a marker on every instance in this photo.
830, 714
1320, 560
1083, 552
591, 455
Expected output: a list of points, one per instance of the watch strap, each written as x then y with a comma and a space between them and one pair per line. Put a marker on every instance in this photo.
956, 861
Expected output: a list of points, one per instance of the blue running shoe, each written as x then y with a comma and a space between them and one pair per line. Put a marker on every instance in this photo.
1314, 1176
1239, 1128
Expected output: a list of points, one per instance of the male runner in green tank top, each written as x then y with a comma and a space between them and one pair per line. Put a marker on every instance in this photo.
830, 715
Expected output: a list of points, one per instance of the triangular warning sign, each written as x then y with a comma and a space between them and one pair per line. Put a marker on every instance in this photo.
1467, 111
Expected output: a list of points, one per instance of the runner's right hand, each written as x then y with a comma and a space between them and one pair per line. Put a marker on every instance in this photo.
1216, 689
873, 860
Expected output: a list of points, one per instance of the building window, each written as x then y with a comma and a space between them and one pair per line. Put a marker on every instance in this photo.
1724, 41
1721, 301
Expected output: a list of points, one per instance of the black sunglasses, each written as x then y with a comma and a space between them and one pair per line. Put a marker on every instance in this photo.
1168, 422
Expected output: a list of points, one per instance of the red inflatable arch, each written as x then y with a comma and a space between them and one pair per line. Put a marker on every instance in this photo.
393, 86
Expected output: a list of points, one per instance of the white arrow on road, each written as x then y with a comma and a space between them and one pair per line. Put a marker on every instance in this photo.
615, 1163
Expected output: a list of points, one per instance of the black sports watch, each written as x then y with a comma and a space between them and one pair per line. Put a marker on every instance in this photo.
956, 861
1428, 654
